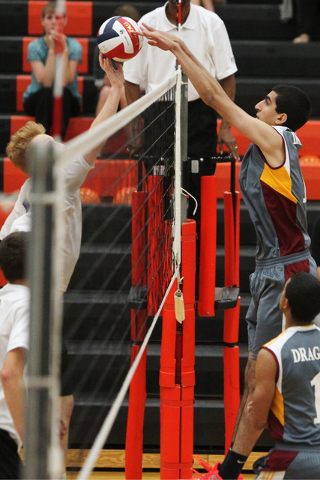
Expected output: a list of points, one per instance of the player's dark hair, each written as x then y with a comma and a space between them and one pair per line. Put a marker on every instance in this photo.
303, 294
13, 254
294, 103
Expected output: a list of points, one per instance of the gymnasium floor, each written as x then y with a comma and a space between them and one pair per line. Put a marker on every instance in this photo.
115, 459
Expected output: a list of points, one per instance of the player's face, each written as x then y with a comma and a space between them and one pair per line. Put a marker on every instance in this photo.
266, 109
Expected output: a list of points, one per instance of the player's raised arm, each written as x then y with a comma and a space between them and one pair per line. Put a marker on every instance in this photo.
111, 105
211, 92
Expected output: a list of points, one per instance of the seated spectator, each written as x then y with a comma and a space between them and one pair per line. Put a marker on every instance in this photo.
307, 15
101, 80
208, 4
37, 99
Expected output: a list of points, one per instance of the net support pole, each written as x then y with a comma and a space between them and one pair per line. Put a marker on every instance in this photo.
177, 376
231, 317
137, 392
42, 386
208, 246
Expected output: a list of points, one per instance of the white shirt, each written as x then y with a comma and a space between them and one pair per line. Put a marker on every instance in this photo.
20, 218
204, 33
14, 333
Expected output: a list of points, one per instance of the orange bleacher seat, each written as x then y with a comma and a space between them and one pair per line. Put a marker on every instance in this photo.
13, 177
79, 18
82, 67
76, 126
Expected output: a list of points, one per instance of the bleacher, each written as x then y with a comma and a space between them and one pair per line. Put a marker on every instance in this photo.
265, 56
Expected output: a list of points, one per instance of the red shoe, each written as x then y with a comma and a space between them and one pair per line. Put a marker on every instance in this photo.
212, 472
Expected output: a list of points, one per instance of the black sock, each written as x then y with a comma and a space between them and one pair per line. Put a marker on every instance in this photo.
232, 465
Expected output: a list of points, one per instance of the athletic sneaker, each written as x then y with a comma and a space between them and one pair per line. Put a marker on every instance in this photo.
212, 473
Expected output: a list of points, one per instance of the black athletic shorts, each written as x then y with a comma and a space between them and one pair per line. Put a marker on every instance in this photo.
10, 462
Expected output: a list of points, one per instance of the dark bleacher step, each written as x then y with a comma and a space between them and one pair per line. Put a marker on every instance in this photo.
99, 366
210, 329
255, 22
102, 267
15, 13
88, 416
103, 10
99, 310
255, 59
8, 94
276, 59
88, 315
250, 91
106, 223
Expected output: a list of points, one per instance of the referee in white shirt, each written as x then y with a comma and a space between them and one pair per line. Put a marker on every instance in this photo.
206, 36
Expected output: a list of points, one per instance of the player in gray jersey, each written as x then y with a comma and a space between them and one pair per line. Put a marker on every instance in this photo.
287, 393
273, 189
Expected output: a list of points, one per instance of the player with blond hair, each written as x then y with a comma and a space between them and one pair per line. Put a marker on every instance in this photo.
76, 172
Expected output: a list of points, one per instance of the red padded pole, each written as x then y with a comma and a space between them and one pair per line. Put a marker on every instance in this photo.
231, 391
177, 375
188, 271
137, 392
208, 242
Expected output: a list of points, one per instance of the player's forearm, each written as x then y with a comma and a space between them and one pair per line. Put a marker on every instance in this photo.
14, 391
229, 86
109, 108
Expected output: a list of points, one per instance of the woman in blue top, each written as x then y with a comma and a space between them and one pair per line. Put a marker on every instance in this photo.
37, 99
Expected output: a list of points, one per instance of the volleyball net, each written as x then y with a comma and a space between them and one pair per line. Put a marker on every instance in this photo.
130, 258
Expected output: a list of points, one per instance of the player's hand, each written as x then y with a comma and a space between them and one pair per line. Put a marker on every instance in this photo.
116, 77
162, 40
225, 137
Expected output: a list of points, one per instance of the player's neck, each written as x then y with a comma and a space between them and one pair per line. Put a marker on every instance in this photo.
20, 282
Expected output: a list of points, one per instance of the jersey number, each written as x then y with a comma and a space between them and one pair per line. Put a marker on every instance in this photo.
316, 383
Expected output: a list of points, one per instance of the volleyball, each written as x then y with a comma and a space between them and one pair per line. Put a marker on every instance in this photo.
117, 38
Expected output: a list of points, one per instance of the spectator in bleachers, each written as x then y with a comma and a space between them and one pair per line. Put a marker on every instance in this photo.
208, 4
101, 80
38, 98
307, 15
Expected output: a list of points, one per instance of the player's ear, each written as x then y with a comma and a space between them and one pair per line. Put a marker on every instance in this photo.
281, 118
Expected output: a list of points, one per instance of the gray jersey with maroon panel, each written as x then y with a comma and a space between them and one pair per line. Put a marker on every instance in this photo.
295, 412
275, 198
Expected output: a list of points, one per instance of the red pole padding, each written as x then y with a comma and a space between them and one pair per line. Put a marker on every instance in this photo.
231, 391
208, 245
137, 392
177, 364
